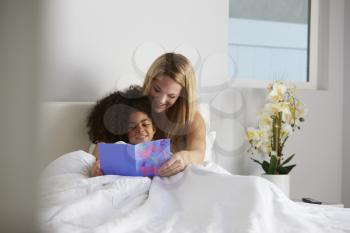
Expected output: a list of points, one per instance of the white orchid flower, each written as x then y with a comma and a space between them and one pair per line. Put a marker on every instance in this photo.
287, 130
292, 89
266, 148
282, 102
253, 134
265, 122
277, 92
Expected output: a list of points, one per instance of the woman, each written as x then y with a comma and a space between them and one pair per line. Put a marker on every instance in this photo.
170, 83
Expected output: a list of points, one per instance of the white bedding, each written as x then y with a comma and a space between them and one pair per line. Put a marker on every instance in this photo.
200, 199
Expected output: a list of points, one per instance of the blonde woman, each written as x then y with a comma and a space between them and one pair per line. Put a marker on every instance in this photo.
171, 85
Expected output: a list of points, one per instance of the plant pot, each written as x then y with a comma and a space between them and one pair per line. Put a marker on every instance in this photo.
281, 181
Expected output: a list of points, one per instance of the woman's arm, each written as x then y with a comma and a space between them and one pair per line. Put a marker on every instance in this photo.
194, 153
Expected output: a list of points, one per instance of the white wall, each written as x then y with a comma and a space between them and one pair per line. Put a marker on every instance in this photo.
319, 145
346, 110
91, 47
91, 43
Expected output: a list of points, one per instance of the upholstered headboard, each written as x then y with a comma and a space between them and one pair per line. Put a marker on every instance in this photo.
62, 127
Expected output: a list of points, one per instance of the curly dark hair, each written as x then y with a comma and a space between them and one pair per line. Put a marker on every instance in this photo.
107, 120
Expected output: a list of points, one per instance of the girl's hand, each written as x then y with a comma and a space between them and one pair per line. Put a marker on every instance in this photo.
176, 164
95, 170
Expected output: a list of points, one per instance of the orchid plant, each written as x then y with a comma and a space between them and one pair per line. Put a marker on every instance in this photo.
278, 119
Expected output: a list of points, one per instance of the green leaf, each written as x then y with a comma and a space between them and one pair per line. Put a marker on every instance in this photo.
273, 163
282, 145
265, 166
287, 160
285, 170
257, 161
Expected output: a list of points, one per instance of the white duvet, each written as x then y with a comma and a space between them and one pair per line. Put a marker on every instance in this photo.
200, 199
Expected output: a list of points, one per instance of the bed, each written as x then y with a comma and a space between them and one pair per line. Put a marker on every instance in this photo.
203, 198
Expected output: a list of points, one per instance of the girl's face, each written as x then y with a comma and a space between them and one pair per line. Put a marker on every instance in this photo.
140, 128
164, 92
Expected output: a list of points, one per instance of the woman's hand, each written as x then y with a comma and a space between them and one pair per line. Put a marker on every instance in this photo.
95, 170
176, 164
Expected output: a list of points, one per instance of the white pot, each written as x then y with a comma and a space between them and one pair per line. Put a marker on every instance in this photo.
281, 181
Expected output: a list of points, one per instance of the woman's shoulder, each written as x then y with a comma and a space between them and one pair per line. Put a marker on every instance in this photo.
198, 121
198, 116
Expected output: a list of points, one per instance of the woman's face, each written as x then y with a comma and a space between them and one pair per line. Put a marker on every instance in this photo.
140, 128
164, 92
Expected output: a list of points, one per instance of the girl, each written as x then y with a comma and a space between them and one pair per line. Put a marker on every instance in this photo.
120, 116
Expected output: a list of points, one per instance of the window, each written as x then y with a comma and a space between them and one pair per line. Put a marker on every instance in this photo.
273, 39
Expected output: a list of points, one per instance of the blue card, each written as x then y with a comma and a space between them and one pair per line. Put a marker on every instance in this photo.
143, 159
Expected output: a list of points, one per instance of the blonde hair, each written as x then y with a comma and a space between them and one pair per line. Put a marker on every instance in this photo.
182, 113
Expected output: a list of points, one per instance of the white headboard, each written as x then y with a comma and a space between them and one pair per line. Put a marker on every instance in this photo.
62, 127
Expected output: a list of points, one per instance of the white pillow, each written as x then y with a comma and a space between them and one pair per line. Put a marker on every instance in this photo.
91, 148
76, 162
204, 110
209, 144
